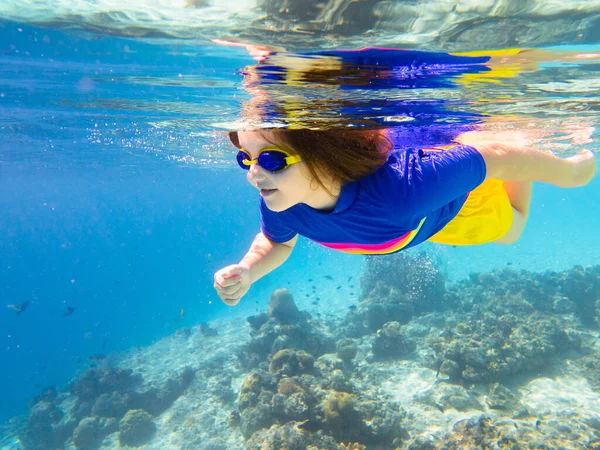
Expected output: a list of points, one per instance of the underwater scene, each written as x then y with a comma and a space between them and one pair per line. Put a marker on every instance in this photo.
299, 224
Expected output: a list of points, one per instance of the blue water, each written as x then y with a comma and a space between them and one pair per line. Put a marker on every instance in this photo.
125, 221
126, 236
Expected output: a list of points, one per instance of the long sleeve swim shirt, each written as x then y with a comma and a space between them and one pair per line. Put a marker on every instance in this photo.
406, 201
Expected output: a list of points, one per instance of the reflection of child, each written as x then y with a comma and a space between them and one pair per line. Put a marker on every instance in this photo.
351, 191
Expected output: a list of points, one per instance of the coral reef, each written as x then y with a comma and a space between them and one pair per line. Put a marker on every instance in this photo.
92, 430
415, 365
492, 336
136, 428
477, 433
47, 427
390, 342
395, 288
95, 402
494, 347
346, 349
290, 436
284, 327
573, 291
307, 398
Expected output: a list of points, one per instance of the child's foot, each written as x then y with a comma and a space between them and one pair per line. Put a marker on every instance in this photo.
584, 167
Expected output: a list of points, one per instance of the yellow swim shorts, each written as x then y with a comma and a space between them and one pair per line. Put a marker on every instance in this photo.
485, 217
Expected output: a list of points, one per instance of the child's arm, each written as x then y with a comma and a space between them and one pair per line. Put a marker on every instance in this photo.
264, 256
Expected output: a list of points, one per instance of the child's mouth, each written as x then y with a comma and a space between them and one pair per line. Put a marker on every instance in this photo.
267, 192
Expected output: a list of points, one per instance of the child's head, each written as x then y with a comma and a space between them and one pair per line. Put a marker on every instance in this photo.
328, 159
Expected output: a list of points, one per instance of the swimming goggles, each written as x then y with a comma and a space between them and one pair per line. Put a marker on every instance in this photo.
272, 159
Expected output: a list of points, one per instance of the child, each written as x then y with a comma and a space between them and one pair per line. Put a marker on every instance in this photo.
349, 190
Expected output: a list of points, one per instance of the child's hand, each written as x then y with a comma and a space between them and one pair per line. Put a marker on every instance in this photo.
232, 283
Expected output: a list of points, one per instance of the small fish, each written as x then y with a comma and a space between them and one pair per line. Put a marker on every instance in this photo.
310, 280
349, 278
309, 425
97, 357
516, 426
509, 264
352, 307
351, 285
537, 424
19, 308
351, 293
338, 288
182, 313
116, 281
70, 310
328, 277
315, 303
440, 407
308, 295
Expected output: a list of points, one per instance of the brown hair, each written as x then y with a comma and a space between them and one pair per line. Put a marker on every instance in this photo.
346, 155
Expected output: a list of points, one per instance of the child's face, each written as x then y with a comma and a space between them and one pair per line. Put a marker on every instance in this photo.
284, 189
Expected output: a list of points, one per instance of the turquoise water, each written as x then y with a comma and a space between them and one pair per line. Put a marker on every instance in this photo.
119, 196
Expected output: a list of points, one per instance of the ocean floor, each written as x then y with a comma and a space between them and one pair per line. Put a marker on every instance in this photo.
506, 359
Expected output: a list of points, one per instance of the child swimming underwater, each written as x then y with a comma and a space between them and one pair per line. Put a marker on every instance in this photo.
462, 195
352, 191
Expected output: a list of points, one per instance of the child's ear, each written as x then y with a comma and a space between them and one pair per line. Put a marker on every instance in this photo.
235, 140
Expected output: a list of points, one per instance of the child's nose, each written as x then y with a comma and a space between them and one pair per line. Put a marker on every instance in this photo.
255, 174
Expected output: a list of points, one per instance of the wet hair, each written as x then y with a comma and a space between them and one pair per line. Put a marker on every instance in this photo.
345, 155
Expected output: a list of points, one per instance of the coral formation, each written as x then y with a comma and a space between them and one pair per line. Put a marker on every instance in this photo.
302, 383
390, 342
284, 327
395, 288
136, 428
477, 433
290, 436
491, 337
346, 349
309, 390
94, 404
92, 430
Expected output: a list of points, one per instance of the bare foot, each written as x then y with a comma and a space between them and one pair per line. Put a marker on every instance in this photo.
258, 51
584, 167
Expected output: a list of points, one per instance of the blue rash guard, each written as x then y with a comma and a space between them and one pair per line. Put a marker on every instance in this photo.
406, 201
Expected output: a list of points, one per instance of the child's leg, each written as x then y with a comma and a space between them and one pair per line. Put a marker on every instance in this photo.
519, 195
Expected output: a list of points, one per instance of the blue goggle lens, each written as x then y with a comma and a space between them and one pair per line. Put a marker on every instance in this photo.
271, 160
